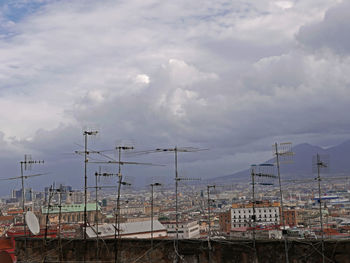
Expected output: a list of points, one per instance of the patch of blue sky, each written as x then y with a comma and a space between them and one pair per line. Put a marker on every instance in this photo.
16, 10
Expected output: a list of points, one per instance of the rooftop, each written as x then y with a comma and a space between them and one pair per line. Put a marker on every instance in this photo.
71, 208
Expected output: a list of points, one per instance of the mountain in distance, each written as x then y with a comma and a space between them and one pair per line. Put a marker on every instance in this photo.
301, 166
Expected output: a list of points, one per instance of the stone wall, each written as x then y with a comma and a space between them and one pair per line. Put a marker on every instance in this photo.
191, 251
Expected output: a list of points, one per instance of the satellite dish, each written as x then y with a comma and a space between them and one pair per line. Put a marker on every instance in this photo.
32, 223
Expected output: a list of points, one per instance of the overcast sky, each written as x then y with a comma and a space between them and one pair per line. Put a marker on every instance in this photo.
230, 76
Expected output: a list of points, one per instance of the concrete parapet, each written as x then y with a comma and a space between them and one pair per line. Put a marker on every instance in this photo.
192, 251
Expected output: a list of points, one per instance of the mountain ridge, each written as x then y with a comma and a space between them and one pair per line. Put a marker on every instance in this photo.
301, 167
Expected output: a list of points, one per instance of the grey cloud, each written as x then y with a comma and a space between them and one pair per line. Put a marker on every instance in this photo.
332, 32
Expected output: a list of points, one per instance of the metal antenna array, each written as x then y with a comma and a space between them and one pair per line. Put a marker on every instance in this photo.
58, 191
262, 170
177, 179
320, 164
86, 153
209, 221
283, 151
97, 187
119, 183
25, 165
117, 221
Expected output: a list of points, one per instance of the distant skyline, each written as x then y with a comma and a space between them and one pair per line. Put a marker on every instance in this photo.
233, 77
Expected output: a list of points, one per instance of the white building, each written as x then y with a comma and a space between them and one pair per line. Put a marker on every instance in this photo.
186, 229
265, 213
140, 229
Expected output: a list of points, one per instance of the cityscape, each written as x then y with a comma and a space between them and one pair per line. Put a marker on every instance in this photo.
251, 209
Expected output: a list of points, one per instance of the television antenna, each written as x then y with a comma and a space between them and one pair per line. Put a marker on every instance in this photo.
284, 153
86, 133
97, 187
119, 162
209, 221
261, 170
25, 166
120, 182
176, 150
320, 163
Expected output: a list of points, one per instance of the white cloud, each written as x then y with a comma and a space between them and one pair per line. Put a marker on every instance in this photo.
142, 79
284, 4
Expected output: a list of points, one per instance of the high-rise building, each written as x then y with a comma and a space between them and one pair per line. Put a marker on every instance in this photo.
17, 194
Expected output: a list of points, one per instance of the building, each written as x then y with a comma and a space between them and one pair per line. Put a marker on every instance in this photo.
76, 197
225, 222
131, 210
186, 229
140, 229
266, 213
291, 217
73, 213
17, 194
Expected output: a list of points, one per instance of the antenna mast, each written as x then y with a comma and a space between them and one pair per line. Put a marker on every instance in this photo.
209, 221
152, 186
320, 165
283, 150
86, 134
177, 179
259, 173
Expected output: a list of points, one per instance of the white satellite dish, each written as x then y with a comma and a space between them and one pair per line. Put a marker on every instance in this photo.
32, 223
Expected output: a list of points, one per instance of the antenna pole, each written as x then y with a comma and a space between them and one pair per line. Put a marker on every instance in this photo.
209, 221
86, 160
117, 216
47, 220
27, 163
176, 208
177, 179
96, 216
254, 215
260, 174
86, 133
59, 222
152, 186
23, 210
85, 184
319, 165
23, 200
281, 198
118, 207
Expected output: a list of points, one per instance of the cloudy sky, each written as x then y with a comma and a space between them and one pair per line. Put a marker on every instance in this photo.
230, 76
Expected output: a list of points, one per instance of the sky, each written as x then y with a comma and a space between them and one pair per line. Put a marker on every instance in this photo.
232, 77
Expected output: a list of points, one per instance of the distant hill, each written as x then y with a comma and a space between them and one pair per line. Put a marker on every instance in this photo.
301, 167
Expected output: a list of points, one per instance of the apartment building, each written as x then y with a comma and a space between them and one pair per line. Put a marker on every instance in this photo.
266, 213
186, 230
